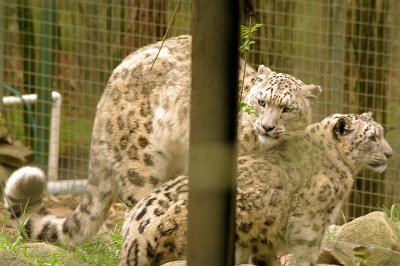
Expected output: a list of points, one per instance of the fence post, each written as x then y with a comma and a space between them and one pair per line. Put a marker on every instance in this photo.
213, 132
46, 71
2, 26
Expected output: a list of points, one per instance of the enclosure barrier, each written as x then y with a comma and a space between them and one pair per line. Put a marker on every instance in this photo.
54, 139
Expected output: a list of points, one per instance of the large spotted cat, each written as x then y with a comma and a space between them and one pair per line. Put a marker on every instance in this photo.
286, 197
140, 136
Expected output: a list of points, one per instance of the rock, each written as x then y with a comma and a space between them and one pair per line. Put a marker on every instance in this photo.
288, 260
345, 253
5, 173
374, 229
10, 258
15, 155
175, 263
46, 251
3, 128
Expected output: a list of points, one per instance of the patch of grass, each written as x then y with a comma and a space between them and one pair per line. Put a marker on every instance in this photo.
328, 236
96, 252
7, 244
393, 213
52, 261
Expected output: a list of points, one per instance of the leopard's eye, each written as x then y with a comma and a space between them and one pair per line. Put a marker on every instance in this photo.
287, 110
372, 138
261, 102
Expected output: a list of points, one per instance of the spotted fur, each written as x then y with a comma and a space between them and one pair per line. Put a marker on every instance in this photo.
141, 132
286, 197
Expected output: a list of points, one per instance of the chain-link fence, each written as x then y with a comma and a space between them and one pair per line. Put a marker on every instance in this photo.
350, 47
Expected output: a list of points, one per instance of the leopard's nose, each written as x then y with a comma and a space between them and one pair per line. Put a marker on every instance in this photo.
388, 154
268, 129
388, 151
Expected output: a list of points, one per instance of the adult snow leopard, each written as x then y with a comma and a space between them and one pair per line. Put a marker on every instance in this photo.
141, 135
286, 196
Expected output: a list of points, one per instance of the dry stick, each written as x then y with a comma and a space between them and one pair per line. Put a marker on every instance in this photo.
166, 33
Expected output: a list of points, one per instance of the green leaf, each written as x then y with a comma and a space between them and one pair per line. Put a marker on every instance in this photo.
245, 34
247, 109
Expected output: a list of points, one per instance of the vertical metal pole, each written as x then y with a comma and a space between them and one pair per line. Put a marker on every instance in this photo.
337, 55
46, 71
213, 132
2, 29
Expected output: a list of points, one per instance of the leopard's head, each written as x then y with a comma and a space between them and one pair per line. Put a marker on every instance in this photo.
282, 103
360, 141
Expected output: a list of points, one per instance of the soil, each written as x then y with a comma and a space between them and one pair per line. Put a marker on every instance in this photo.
62, 206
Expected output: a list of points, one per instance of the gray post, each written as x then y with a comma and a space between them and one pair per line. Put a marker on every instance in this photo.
2, 29
213, 132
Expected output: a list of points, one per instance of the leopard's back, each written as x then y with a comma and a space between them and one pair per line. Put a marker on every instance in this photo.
143, 116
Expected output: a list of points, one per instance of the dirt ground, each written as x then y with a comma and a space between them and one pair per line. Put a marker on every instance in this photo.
62, 205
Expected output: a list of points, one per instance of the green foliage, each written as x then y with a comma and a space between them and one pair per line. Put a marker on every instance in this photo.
328, 236
100, 252
7, 244
393, 213
246, 42
245, 36
247, 108
97, 252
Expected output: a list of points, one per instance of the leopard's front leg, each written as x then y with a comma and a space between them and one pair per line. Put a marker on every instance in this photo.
309, 218
304, 237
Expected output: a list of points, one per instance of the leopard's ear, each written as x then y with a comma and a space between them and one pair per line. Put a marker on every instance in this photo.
367, 114
312, 92
263, 72
342, 127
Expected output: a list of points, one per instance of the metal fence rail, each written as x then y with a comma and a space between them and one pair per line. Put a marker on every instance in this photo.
350, 47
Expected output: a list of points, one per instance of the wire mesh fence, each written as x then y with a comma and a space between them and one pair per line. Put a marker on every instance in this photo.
350, 47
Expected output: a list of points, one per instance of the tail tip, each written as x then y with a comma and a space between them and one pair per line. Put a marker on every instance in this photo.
25, 182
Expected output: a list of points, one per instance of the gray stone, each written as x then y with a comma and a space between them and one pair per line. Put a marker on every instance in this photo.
9, 258
46, 251
175, 263
345, 253
15, 155
5, 173
374, 229
3, 128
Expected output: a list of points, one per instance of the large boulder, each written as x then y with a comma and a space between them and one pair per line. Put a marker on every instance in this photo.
175, 263
15, 155
11, 258
38, 254
374, 229
345, 253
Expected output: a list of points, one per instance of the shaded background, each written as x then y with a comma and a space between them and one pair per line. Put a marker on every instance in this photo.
349, 47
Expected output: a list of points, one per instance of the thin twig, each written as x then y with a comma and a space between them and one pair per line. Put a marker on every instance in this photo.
166, 34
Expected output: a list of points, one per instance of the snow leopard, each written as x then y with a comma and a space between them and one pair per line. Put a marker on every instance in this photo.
140, 137
286, 196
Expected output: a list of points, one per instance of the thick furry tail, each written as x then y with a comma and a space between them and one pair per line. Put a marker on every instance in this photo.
24, 190
23, 198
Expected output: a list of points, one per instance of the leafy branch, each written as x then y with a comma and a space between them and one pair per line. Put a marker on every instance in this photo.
247, 108
246, 33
